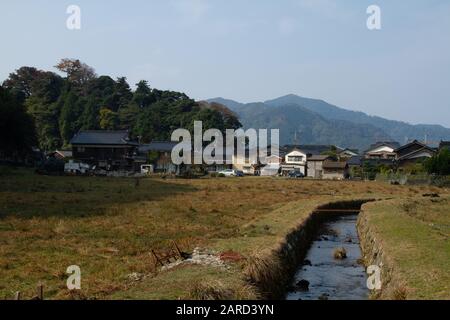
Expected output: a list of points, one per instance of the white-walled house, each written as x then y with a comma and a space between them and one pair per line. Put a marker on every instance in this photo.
295, 161
273, 159
272, 166
382, 150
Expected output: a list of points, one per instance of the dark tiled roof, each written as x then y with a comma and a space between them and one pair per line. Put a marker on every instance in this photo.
160, 146
102, 137
411, 144
408, 155
355, 161
310, 149
412, 147
318, 158
334, 165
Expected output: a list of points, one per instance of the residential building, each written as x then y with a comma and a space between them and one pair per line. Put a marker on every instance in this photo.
310, 149
382, 150
254, 166
295, 160
158, 153
347, 153
315, 166
335, 170
272, 166
111, 150
413, 152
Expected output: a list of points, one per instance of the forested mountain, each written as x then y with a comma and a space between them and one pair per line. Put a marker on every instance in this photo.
61, 106
316, 121
295, 121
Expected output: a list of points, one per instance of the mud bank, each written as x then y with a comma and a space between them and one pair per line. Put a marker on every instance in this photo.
272, 273
374, 254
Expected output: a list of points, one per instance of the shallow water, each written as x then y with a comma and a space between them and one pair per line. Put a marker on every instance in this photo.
330, 278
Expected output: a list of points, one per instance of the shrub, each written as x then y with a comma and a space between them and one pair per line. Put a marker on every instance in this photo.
439, 164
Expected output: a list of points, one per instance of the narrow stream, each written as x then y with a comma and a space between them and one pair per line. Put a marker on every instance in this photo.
327, 277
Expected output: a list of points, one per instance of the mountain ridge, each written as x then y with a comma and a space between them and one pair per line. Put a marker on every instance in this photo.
346, 122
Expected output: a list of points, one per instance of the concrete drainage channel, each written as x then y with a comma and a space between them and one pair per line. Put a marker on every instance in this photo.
310, 264
333, 266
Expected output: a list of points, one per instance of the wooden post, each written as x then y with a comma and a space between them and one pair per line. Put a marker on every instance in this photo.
40, 292
17, 295
157, 259
177, 249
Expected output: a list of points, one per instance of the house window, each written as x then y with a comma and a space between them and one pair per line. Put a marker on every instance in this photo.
81, 149
295, 159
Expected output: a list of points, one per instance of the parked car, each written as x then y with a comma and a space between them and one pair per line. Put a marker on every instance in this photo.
295, 174
239, 173
231, 173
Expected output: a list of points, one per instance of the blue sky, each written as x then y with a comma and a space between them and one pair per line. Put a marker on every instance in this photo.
251, 50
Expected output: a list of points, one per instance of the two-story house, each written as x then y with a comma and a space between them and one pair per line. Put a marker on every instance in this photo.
382, 151
104, 149
294, 160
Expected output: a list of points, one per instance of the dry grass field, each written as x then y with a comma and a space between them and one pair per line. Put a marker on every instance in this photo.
415, 236
108, 226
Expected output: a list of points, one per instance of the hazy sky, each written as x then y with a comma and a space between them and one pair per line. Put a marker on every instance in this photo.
251, 50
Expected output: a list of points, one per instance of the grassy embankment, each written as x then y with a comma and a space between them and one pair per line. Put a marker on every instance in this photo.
411, 238
109, 226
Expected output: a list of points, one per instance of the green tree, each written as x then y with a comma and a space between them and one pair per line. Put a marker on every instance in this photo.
40, 90
17, 131
61, 107
369, 170
71, 111
108, 119
21, 81
122, 94
128, 116
439, 164
90, 115
45, 117
143, 96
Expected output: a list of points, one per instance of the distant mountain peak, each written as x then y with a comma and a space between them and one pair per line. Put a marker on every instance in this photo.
316, 120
